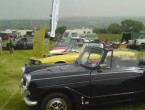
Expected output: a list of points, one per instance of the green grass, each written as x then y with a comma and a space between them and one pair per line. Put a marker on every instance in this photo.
10, 76
110, 37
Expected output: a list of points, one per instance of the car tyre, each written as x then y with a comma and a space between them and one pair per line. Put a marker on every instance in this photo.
142, 47
56, 101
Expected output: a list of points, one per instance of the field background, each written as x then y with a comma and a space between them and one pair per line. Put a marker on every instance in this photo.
69, 22
10, 76
110, 37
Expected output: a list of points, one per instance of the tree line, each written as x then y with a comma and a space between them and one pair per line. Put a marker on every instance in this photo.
127, 25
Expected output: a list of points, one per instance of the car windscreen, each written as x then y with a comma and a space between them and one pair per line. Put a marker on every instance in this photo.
91, 57
74, 48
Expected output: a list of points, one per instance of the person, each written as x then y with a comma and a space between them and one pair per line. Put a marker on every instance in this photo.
0, 45
84, 34
10, 44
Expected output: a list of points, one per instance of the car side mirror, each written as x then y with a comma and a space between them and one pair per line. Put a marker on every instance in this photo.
102, 67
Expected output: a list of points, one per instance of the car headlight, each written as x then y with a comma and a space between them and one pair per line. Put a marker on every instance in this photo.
23, 69
25, 83
26, 80
34, 62
28, 77
37, 62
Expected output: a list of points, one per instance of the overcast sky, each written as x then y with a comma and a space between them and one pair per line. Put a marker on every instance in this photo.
40, 9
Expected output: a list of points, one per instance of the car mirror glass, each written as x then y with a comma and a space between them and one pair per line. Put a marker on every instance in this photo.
104, 66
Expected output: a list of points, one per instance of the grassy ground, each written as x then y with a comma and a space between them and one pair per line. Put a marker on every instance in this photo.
10, 76
110, 37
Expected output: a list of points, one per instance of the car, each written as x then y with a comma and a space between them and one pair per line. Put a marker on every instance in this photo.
66, 57
64, 43
99, 75
92, 37
21, 43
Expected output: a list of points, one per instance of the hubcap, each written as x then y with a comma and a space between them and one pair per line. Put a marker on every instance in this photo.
56, 104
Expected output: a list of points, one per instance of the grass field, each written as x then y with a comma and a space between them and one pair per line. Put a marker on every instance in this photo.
110, 37
10, 76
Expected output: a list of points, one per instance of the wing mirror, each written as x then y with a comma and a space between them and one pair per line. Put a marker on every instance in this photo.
102, 67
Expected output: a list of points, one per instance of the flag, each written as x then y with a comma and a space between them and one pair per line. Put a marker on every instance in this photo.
54, 17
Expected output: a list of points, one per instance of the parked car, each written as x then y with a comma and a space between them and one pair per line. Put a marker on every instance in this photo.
138, 43
92, 37
98, 76
63, 44
68, 56
21, 43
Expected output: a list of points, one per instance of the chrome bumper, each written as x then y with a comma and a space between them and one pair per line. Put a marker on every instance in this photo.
29, 103
26, 99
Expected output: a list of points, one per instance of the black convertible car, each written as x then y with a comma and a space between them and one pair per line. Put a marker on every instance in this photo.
22, 43
98, 76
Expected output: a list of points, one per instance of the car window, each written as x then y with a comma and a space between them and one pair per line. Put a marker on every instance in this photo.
21, 40
142, 36
74, 48
91, 57
74, 34
121, 60
30, 40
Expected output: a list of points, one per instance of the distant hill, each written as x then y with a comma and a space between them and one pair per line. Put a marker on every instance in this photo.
98, 22
70, 22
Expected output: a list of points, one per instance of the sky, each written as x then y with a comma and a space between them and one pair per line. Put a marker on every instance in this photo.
40, 9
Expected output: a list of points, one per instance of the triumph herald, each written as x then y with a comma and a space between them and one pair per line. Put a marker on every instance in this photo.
97, 76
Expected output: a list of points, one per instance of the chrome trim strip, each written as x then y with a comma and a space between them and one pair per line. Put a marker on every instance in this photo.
60, 77
118, 94
29, 103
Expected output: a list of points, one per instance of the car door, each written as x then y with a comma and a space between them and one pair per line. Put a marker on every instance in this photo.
29, 44
20, 43
117, 83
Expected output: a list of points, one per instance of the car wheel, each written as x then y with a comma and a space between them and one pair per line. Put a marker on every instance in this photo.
56, 101
142, 47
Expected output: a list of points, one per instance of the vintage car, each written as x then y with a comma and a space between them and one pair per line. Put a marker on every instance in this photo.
64, 43
67, 57
98, 76
22, 43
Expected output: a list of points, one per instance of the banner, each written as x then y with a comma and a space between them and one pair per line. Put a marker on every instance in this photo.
38, 43
54, 17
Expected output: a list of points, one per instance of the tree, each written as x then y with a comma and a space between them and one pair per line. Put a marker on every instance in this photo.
61, 30
114, 28
100, 31
132, 25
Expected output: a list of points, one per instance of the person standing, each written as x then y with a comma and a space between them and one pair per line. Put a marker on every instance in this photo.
0, 45
11, 44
